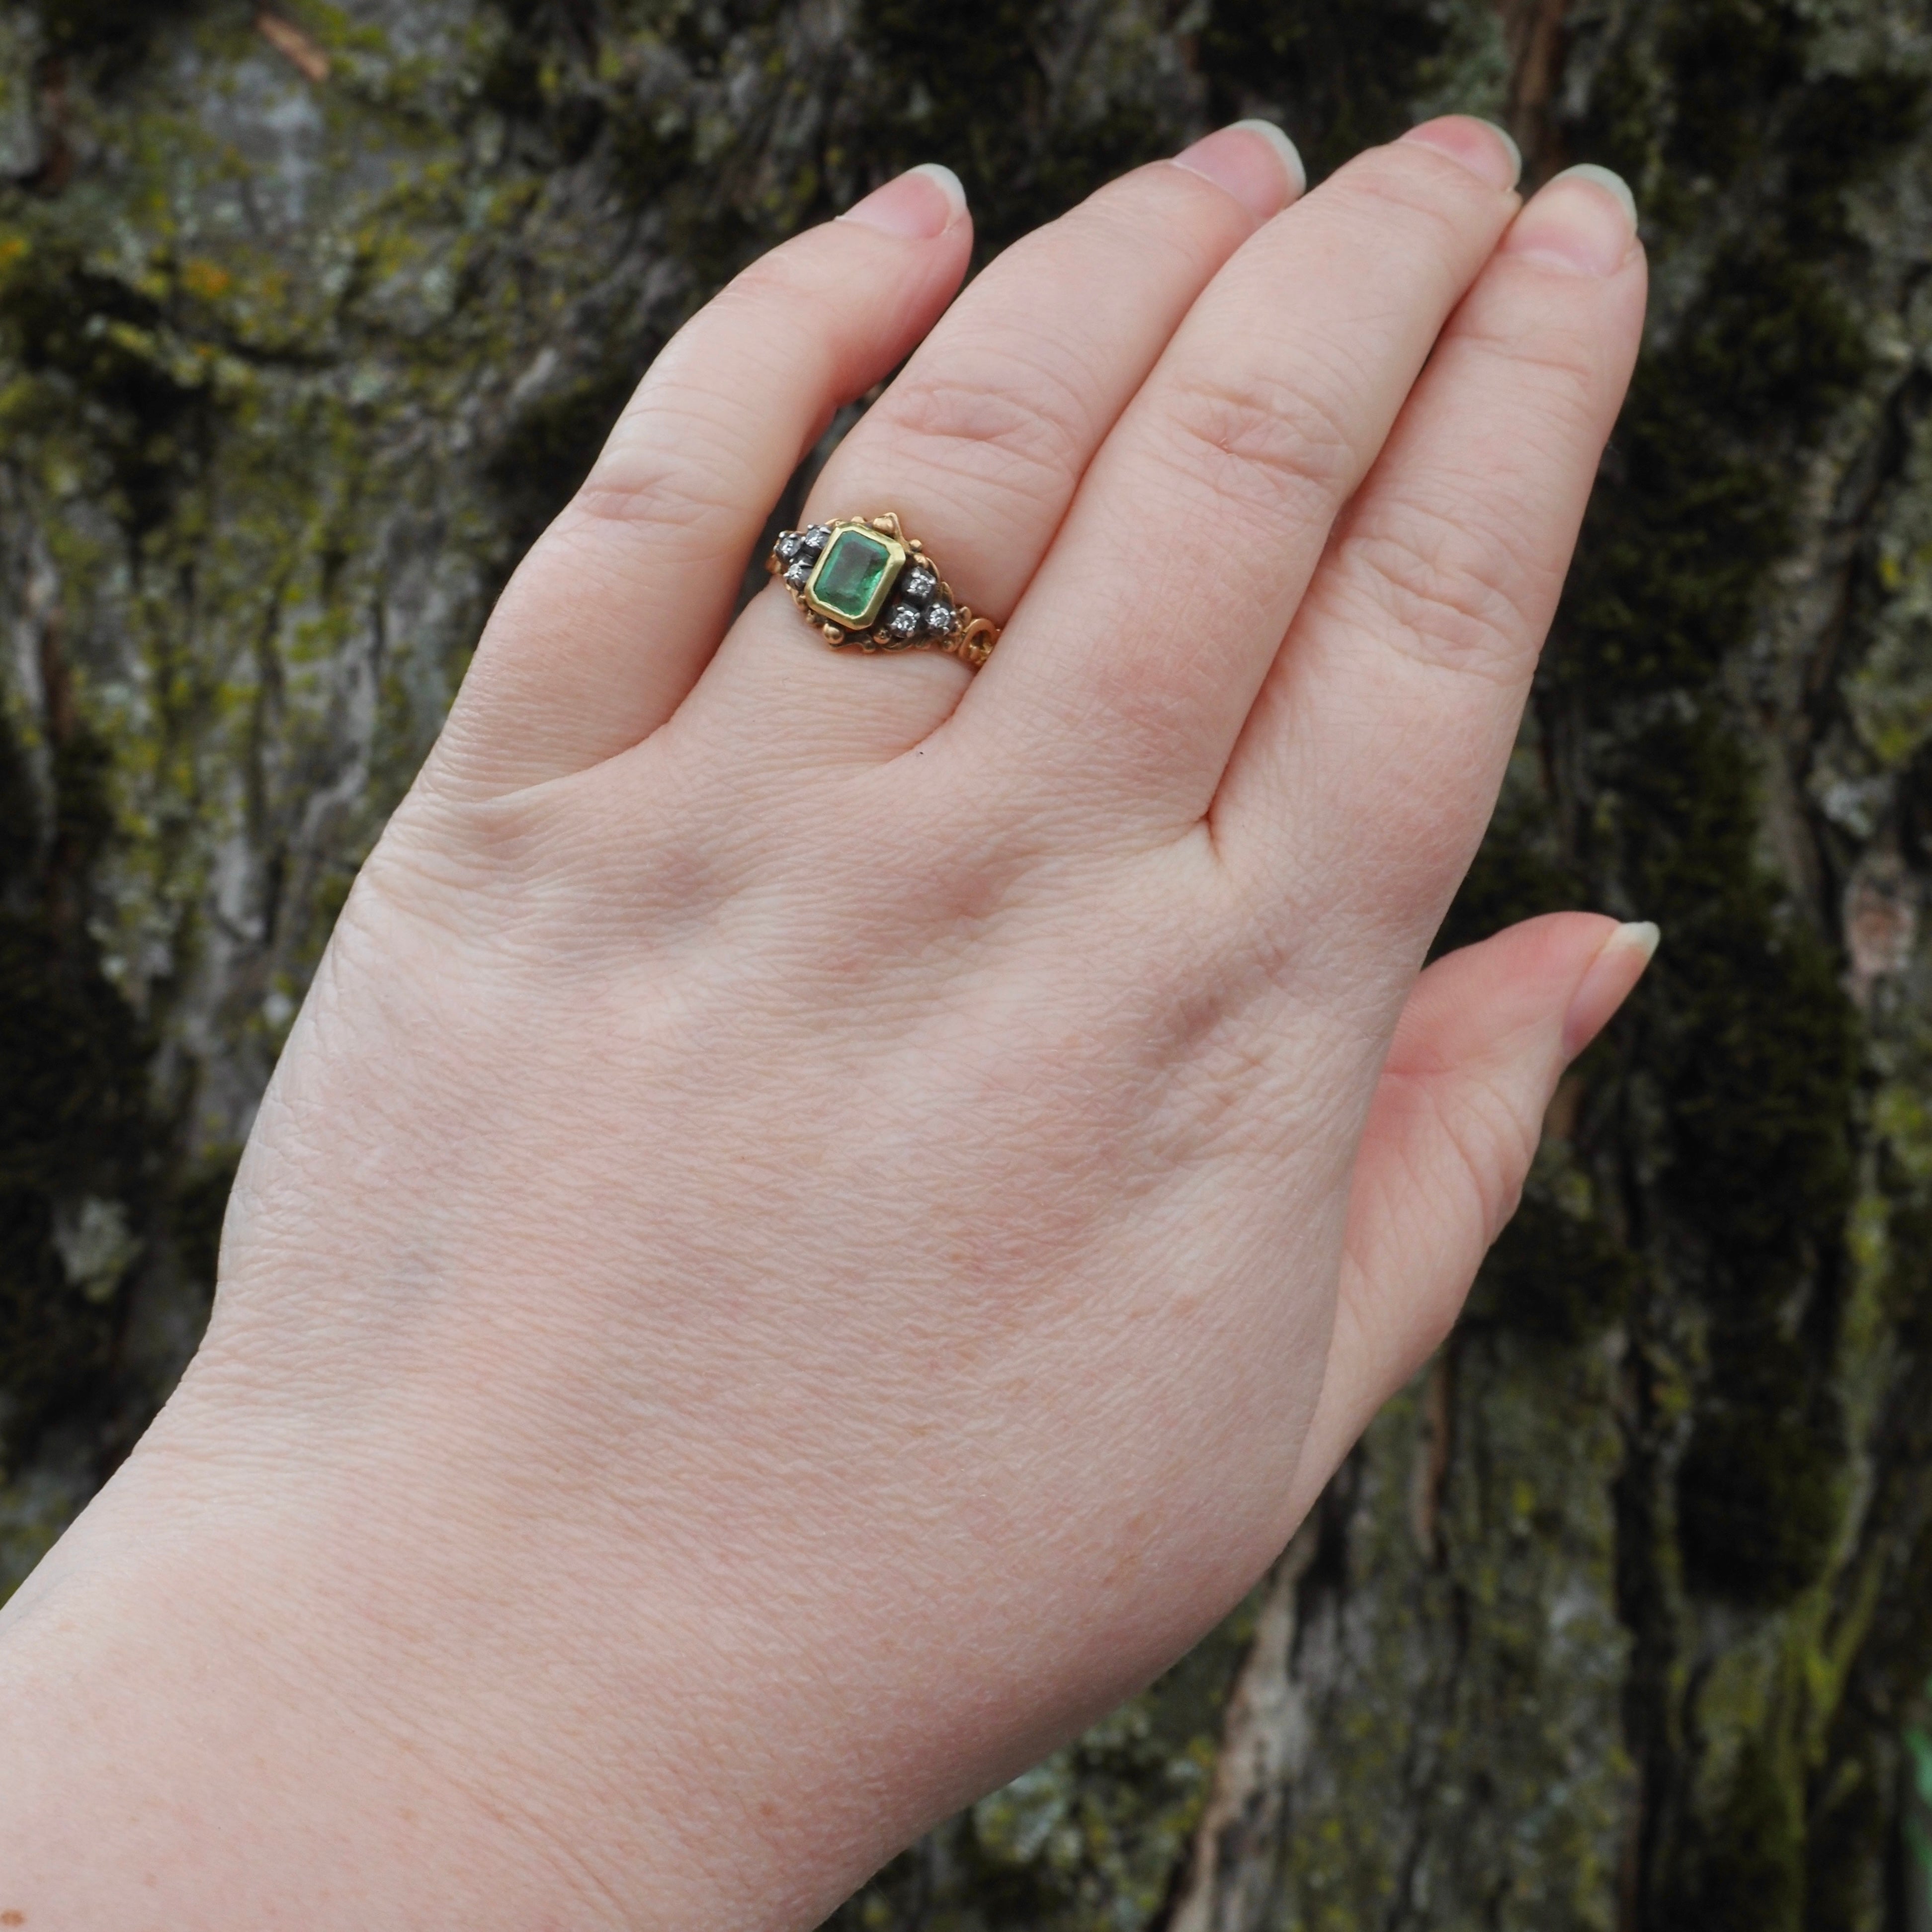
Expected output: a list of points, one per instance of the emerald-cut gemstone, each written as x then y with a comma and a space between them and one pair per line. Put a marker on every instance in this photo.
853, 577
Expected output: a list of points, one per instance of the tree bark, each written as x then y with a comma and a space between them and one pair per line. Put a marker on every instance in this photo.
310, 315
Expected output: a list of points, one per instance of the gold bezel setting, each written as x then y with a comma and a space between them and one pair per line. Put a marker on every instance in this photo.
911, 607
861, 618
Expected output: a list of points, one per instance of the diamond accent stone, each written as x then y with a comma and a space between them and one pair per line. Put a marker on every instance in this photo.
799, 573
939, 618
789, 543
902, 620
919, 582
815, 539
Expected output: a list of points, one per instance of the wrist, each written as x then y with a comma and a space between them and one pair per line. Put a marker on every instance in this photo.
237, 1693
188, 1735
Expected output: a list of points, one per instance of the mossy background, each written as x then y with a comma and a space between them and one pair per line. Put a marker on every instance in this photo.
311, 316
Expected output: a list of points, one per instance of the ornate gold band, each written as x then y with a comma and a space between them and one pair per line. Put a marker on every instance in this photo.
863, 584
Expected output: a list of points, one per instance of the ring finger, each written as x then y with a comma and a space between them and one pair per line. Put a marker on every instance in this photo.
981, 442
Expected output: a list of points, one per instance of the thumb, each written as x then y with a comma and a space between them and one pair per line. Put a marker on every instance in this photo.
1454, 1124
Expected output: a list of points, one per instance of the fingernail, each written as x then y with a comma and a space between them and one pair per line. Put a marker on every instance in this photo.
1611, 977
1515, 153
1485, 149
923, 202
1584, 220
1254, 161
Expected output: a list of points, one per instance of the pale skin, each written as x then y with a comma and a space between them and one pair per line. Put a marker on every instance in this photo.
825, 1217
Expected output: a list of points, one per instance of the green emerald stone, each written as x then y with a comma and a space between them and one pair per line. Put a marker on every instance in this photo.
852, 578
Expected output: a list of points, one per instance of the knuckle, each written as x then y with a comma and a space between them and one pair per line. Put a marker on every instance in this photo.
1489, 1145
1556, 371
1146, 703
1452, 593
1021, 419
1258, 445
666, 466
777, 278
1494, 1144
789, 281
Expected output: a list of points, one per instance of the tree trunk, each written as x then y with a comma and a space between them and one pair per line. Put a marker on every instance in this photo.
310, 317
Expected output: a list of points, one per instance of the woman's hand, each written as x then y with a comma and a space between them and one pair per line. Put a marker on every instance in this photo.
824, 1217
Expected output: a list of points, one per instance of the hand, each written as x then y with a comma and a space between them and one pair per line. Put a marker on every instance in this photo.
824, 1218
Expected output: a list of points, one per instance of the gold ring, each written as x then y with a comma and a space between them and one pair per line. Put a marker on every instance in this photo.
863, 584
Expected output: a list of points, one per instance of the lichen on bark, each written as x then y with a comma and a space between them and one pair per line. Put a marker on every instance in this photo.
310, 315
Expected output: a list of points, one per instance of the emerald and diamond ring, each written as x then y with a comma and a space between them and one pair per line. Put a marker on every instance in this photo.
863, 584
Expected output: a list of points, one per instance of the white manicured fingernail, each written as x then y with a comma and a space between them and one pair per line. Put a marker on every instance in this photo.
1607, 179
1286, 152
1584, 220
1640, 935
1508, 140
1607, 982
1479, 146
923, 202
1228, 158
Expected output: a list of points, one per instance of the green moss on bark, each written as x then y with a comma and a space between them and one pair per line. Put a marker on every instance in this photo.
1341, 75
1717, 1142
239, 445
1747, 1874
74, 1127
111, 32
